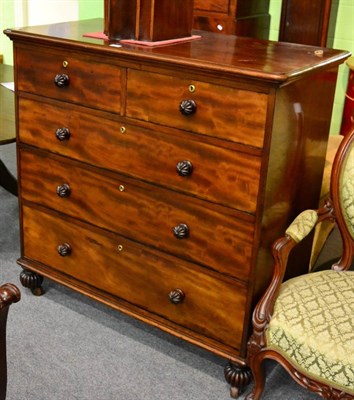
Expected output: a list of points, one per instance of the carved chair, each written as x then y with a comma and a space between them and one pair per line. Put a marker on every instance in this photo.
306, 323
9, 294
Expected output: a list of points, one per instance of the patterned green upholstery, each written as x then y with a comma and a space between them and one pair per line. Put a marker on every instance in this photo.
302, 225
347, 190
312, 326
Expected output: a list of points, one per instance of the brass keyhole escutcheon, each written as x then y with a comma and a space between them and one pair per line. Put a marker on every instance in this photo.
192, 88
123, 129
121, 188
65, 63
120, 247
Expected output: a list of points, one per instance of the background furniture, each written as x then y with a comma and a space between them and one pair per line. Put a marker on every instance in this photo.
313, 23
9, 294
308, 22
348, 111
306, 324
7, 126
156, 179
242, 18
138, 19
148, 20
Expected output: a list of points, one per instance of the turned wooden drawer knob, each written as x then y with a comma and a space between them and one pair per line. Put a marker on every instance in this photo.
61, 80
184, 168
64, 249
63, 190
188, 107
181, 231
62, 134
176, 296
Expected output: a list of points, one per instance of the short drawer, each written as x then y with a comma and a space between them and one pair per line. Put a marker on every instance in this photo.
138, 275
213, 173
219, 111
184, 226
217, 6
74, 78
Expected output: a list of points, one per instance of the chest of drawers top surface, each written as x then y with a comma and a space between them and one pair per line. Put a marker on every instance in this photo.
273, 62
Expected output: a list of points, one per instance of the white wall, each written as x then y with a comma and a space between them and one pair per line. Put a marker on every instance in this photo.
38, 12
19, 13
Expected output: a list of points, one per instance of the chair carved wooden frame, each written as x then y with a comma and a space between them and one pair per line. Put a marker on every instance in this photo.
9, 294
316, 347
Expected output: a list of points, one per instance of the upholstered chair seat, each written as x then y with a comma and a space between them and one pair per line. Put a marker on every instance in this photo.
312, 326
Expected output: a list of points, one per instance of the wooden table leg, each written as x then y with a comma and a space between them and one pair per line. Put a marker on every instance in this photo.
7, 180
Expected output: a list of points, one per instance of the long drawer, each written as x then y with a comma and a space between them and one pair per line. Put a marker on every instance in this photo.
219, 111
138, 275
81, 79
178, 224
209, 172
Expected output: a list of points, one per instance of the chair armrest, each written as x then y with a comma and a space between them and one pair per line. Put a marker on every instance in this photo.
297, 230
302, 225
9, 294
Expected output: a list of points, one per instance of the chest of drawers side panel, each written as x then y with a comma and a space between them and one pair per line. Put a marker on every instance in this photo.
294, 172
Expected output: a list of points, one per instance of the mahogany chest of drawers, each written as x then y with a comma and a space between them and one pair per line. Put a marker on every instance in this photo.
156, 179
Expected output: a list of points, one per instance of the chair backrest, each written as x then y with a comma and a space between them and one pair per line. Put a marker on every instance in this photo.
342, 196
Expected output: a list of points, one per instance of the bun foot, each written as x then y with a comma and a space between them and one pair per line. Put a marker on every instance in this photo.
33, 281
238, 377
